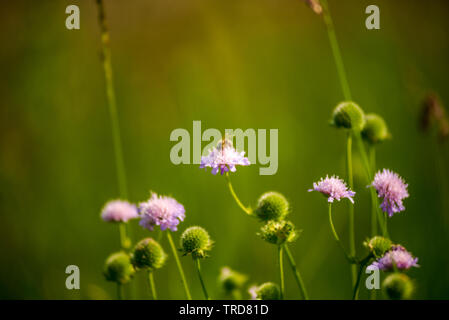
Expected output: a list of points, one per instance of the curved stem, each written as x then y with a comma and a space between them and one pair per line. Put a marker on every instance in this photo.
351, 208
198, 268
152, 285
281, 271
178, 263
234, 195
336, 50
296, 273
363, 263
337, 238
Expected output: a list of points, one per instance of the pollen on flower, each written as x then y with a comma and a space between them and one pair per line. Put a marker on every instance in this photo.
392, 188
161, 211
333, 188
224, 158
119, 211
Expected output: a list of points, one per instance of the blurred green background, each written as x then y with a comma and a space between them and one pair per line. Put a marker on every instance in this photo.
231, 64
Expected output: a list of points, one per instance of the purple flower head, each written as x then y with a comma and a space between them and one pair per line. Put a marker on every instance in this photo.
224, 158
119, 211
334, 188
161, 211
390, 186
397, 256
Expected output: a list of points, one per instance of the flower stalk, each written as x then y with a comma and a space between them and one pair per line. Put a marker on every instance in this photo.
152, 285
296, 273
178, 264
234, 195
351, 208
281, 271
203, 286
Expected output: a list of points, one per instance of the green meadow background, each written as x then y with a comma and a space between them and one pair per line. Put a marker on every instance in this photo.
258, 64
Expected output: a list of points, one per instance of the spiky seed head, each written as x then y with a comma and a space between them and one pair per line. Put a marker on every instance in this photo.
398, 286
348, 115
196, 241
378, 245
278, 232
272, 206
118, 268
148, 254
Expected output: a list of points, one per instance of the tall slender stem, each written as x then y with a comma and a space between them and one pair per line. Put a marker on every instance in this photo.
281, 270
112, 106
372, 156
178, 263
296, 273
198, 268
110, 94
234, 195
381, 219
351, 208
337, 238
152, 285
336, 50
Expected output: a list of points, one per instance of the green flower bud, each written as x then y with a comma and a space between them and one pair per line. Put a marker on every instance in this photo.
378, 245
348, 115
398, 286
118, 268
278, 232
148, 254
231, 280
375, 129
196, 241
272, 206
266, 291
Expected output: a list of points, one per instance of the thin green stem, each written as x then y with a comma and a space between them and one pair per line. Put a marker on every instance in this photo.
296, 273
234, 195
110, 95
178, 263
198, 268
363, 263
125, 242
119, 291
337, 238
381, 219
351, 208
347, 95
281, 270
372, 156
336, 50
152, 285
